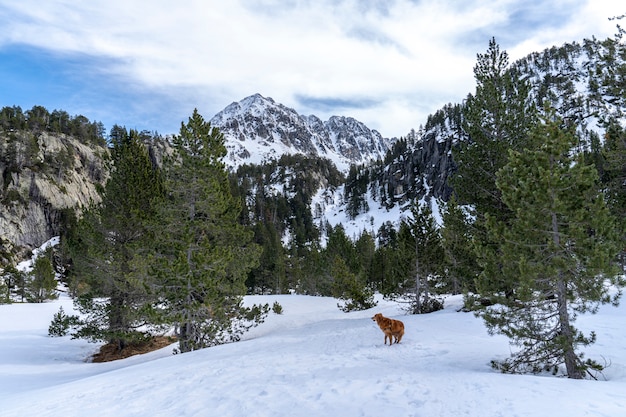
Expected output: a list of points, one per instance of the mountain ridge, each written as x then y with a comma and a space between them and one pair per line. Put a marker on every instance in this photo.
258, 129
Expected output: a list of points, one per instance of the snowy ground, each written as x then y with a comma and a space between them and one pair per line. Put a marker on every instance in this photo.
313, 360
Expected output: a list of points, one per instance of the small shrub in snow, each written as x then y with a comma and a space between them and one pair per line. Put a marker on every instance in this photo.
61, 323
277, 308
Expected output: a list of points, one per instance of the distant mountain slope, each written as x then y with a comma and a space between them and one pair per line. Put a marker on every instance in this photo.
581, 81
258, 129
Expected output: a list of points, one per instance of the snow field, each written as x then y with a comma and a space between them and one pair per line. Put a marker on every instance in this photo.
313, 360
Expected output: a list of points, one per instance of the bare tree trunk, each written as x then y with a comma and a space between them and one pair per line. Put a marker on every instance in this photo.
569, 355
573, 371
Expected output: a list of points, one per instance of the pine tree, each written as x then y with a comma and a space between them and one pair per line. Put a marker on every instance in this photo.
355, 191
421, 255
461, 268
612, 79
15, 283
42, 283
203, 253
108, 247
270, 275
306, 269
5, 292
392, 258
365, 248
559, 246
350, 287
339, 244
614, 178
497, 118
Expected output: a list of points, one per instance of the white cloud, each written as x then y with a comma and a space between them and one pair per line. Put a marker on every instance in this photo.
408, 57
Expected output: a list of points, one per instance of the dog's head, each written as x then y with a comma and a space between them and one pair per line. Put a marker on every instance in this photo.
377, 317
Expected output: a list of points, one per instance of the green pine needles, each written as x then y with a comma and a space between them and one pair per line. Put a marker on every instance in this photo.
559, 248
203, 253
165, 248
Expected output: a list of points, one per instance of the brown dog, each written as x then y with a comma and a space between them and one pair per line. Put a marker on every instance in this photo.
391, 328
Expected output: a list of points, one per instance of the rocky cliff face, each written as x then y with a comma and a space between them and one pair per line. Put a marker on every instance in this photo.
419, 165
44, 175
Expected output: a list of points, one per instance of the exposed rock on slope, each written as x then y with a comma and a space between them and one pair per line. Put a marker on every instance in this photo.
43, 175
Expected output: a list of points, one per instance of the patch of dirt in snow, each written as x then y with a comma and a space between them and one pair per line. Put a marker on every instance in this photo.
111, 352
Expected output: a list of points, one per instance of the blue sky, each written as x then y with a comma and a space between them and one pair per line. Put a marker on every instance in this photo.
146, 64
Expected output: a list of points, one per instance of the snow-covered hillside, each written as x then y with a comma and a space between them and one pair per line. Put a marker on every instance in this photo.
313, 360
328, 206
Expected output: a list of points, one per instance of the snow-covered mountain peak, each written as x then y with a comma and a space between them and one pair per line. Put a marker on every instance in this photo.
257, 129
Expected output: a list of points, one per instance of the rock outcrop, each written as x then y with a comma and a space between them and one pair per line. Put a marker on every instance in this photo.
44, 175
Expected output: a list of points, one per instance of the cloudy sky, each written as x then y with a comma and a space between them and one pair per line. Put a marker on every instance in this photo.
146, 64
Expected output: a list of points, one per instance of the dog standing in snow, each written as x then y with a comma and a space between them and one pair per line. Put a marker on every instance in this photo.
392, 328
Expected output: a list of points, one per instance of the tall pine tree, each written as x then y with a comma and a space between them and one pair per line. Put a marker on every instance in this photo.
107, 247
203, 254
559, 246
498, 117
